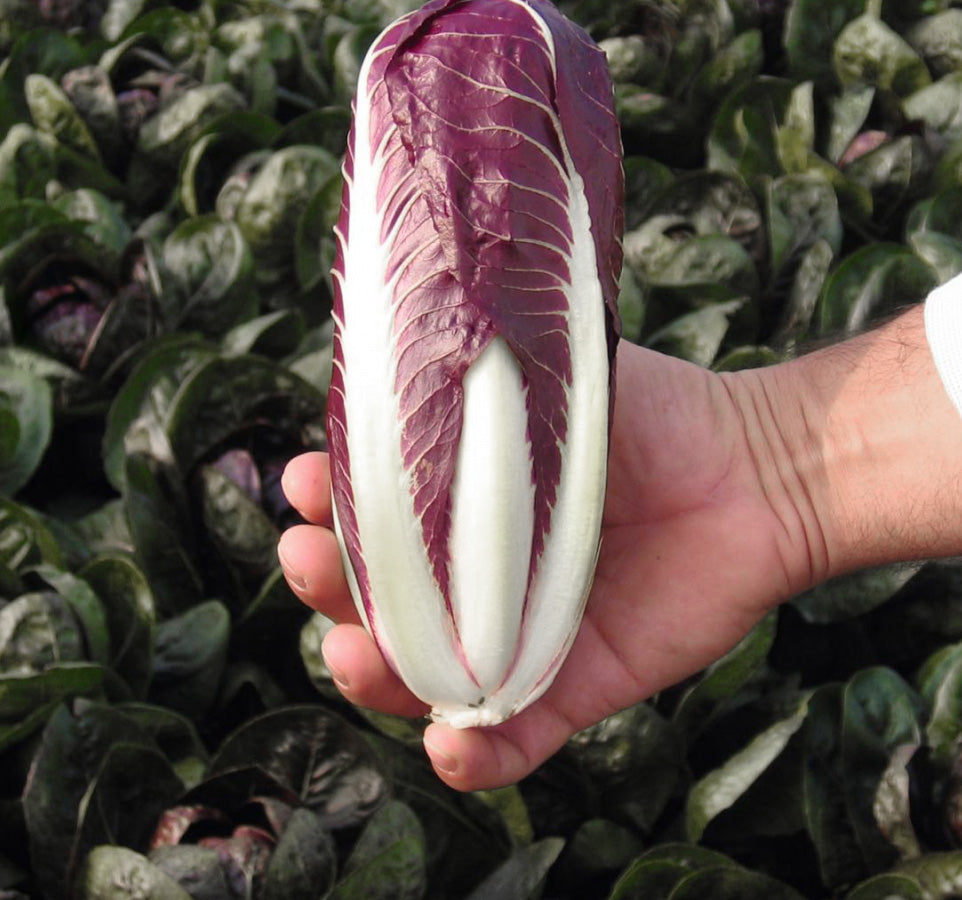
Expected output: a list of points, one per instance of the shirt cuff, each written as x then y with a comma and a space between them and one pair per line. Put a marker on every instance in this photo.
943, 330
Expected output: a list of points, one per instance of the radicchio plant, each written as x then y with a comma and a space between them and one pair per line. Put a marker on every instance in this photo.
475, 312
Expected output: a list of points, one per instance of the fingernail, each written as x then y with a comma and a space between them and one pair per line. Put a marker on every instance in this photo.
298, 582
339, 678
441, 760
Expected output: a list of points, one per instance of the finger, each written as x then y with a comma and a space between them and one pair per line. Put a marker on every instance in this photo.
307, 485
475, 759
362, 675
311, 562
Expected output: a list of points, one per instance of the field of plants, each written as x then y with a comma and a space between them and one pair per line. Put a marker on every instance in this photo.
169, 179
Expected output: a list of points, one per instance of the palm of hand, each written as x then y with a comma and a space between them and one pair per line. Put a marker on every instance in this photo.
689, 562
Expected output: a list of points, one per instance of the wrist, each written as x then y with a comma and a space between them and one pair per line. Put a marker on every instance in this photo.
872, 450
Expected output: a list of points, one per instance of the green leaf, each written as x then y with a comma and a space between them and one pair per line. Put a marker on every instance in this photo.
190, 652
276, 335
238, 527
933, 231
811, 27
24, 539
174, 735
116, 873
225, 140
326, 127
180, 36
880, 712
21, 694
854, 594
129, 603
165, 137
86, 606
208, 269
733, 65
867, 51
27, 701
276, 197
304, 862
875, 279
148, 392
648, 879
742, 139
645, 179
940, 684
633, 761
939, 105
118, 15
657, 126
939, 875
26, 425
719, 789
131, 788
889, 886
723, 678
465, 838
849, 111
654, 875
388, 860
74, 744
196, 869
92, 95
314, 240
727, 883
708, 259
601, 847
894, 173
802, 210
37, 630
26, 163
799, 309
697, 336
54, 114
313, 753
520, 877
938, 40
162, 529
227, 396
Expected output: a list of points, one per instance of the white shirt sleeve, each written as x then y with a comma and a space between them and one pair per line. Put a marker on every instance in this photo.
943, 329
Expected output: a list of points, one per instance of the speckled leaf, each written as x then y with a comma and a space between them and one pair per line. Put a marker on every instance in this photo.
732, 884
316, 755
720, 788
116, 873
889, 886
129, 603
388, 860
868, 51
873, 280
26, 419
522, 875
75, 741
190, 652
304, 862
229, 395
54, 114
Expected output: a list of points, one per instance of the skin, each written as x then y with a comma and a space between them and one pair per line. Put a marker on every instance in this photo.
728, 494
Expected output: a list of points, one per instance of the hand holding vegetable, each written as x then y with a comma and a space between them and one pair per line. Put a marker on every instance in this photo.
727, 494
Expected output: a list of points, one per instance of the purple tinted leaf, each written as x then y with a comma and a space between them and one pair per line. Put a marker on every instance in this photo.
239, 466
486, 117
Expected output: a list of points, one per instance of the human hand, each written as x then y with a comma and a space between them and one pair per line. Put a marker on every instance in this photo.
696, 547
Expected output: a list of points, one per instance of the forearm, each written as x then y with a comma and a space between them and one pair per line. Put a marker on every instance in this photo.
874, 449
